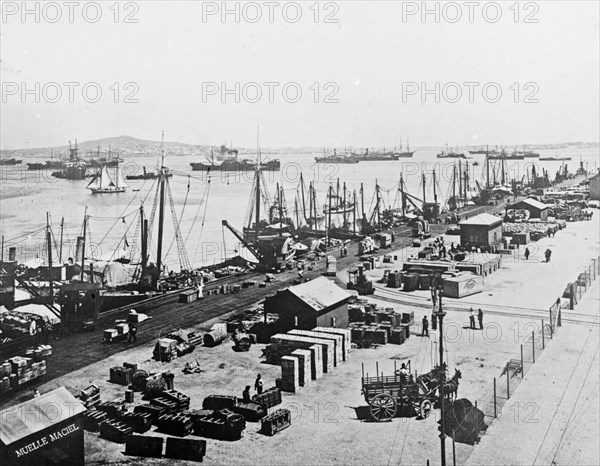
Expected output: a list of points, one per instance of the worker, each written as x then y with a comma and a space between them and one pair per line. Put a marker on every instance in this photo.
425, 327
480, 318
258, 384
471, 319
36, 393
246, 394
548, 254
527, 253
403, 372
132, 333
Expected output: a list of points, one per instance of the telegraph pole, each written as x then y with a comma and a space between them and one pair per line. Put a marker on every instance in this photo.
440, 317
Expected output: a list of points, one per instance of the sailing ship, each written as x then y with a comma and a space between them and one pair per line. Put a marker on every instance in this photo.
404, 153
103, 183
450, 154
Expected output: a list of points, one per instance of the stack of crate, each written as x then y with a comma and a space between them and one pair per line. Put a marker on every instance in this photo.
217, 402
92, 419
115, 431
121, 375
175, 424
168, 405
268, 398
139, 422
186, 449
112, 409
153, 410
252, 411
142, 445
221, 425
90, 396
276, 422
182, 401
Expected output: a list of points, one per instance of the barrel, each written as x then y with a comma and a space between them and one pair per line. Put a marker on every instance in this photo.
411, 280
128, 396
242, 341
424, 281
215, 336
138, 380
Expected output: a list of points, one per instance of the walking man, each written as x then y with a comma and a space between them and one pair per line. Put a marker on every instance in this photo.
527, 254
480, 318
471, 319
548, 253
425, 327
258, 384
132, 334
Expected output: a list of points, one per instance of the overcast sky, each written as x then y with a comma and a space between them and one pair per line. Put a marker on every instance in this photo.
369, 56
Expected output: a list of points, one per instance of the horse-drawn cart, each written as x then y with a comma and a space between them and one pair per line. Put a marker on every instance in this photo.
385, 393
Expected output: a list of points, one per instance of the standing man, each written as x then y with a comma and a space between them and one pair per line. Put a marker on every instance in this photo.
246, 394
548, 254
425, 327
527, 254
471, 319
480, 318
258, 384
132, 333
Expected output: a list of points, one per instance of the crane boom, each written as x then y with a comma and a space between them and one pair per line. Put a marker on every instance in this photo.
240, 237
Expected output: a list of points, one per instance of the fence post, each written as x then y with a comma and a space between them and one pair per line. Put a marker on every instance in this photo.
507, 384
495, 405
543, 337
522, 365
453, 448
551, 324
533, 345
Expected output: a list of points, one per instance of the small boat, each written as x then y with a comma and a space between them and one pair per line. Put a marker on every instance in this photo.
103, 183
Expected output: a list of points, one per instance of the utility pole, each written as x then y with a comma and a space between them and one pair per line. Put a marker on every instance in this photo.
440, 317
83, 245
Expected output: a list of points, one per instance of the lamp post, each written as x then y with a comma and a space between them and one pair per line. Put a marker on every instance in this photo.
440, 318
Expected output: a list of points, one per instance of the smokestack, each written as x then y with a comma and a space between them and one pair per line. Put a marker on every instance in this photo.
79, 250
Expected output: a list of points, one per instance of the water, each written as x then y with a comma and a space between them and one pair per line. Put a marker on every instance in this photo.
27, 196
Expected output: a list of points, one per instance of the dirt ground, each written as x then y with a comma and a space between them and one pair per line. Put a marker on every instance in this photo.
326, 414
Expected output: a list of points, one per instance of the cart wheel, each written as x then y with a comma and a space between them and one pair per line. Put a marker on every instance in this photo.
425, 409
383, 407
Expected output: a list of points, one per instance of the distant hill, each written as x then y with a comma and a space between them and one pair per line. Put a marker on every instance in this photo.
125, 145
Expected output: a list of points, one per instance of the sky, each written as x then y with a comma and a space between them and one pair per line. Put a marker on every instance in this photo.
369, 72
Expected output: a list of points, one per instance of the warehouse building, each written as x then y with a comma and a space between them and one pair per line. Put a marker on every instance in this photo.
535, 208
481, 230
47, 430
317, 303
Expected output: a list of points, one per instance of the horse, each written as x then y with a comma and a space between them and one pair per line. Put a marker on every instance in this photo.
451, 386
432, 377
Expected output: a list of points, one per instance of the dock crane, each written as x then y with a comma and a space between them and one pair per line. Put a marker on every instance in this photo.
240, 237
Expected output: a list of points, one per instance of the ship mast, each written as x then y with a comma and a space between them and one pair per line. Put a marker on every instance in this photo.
161, 212
257, 205
49, 246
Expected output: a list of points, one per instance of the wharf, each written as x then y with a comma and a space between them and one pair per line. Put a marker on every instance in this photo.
75, 351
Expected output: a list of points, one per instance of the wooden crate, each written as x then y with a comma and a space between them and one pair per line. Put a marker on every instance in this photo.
142, 445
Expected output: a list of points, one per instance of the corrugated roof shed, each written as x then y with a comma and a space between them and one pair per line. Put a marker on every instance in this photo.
482, 219
531, 202
37, 414
319, 293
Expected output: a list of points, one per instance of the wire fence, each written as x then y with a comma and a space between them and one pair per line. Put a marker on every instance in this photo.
536, 342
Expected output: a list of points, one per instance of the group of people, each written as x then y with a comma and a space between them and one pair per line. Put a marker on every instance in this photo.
472, 319
258, 387
547, 254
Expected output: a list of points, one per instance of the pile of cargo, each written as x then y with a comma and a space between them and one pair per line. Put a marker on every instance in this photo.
19, 370
15, 324
371, 326
276, 422
305, 355
221, 425
177, 448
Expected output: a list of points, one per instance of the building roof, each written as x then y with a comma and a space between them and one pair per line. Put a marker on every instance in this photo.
37, 414
319, 293
483, 220
531, 203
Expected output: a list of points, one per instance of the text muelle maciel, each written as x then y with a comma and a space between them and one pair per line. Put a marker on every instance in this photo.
46, 439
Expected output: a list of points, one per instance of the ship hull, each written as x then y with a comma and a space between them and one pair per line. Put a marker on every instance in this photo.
235, 167
107, 190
